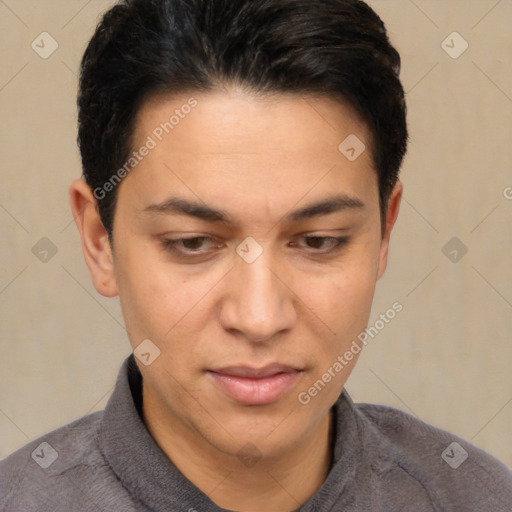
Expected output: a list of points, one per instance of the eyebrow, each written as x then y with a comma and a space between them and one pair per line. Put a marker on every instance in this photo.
178, 206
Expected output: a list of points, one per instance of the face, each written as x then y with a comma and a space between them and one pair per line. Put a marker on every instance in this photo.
247, 247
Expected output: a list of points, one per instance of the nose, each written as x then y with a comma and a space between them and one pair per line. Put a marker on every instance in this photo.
257, 304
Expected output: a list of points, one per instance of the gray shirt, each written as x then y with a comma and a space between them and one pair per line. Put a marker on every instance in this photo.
383, 460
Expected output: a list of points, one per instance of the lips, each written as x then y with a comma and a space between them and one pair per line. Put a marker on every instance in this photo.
255, 386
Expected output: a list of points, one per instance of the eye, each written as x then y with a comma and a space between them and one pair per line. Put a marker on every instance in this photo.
188, 246
203, 245
324, 244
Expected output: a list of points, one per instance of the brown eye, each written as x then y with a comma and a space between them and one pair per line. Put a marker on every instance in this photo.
325, 244
193, 243
316, 242
192, 246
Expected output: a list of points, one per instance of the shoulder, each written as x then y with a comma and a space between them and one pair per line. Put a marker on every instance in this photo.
74, 440
44, 469
455, 474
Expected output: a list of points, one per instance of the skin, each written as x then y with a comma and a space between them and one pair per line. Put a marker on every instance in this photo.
301, 303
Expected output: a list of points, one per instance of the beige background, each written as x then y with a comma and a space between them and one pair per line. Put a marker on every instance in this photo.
445, 358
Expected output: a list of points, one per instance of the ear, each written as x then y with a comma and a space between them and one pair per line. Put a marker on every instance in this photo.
95, 243
391, 216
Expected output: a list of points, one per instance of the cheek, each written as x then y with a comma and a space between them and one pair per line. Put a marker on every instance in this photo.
344, 305
158, 301
346, 297
145, 292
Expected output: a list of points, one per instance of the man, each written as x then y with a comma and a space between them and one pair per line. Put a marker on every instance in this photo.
240, 187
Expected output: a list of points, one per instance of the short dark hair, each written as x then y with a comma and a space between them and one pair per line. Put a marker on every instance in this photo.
332, 48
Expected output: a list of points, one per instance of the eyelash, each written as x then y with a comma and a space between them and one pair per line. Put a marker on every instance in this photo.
171, 245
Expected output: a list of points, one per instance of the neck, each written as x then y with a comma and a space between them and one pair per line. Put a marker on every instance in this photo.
273, 484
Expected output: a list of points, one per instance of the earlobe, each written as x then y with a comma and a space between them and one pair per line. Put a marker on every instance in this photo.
95, 243
391, 216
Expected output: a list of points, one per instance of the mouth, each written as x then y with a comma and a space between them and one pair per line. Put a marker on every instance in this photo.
255, 386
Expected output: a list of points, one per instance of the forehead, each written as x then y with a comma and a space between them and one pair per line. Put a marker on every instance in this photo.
244, 147
283, 121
